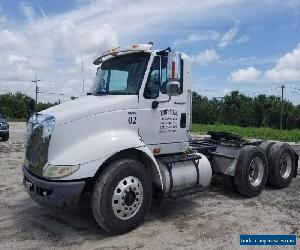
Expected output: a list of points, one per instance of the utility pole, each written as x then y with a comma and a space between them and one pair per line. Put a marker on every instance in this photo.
82, 77
36, 88
281, 113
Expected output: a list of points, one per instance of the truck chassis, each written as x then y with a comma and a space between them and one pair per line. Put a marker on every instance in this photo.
226, 154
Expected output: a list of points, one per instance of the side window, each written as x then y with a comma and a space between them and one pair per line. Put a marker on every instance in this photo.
157, 80
153, 82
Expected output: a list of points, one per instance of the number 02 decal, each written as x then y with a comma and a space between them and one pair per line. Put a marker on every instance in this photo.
132, 117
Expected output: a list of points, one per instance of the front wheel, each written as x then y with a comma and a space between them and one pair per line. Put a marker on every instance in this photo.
121, 196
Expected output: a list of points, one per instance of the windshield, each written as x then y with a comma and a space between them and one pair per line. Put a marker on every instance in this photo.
121, 75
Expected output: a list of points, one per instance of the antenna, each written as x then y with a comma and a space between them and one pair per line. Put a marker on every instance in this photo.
82, 77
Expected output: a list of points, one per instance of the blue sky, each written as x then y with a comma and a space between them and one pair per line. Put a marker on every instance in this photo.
251, 46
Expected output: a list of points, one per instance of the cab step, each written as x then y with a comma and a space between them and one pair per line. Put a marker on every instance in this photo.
183, 192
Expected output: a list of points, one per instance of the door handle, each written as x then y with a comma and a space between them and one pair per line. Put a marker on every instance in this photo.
179, 103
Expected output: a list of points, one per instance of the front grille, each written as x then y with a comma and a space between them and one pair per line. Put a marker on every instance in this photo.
37, 145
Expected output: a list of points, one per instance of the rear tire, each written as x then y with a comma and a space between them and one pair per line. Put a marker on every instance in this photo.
282, 165
266, 147
121, 196
251, 171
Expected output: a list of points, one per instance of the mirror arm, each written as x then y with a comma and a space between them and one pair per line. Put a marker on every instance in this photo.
155, 103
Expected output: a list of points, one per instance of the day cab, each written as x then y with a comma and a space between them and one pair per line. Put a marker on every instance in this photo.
138, 108
128, 141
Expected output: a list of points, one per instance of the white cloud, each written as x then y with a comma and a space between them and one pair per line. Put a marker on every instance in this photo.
287, 68
28, 11
2, 16
223, 40
227, 91
53, 47
243, 39
10, 39
249, 74
205, 57
228, 37
197, 37
43, 13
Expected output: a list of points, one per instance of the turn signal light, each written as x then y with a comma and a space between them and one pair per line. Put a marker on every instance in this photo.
156, 151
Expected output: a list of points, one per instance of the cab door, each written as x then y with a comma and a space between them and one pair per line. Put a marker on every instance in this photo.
163, 128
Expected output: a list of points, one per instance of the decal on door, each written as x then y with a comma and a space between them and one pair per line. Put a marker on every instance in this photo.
132, 118
168, 121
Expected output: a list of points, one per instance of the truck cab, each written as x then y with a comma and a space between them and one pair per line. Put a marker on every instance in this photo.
128, 141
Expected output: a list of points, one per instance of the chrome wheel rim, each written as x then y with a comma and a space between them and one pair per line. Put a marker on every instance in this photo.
256, 171
127, 198
285, 165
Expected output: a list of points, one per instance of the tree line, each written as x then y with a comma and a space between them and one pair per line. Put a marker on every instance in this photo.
233, 109
14, 106
238, 109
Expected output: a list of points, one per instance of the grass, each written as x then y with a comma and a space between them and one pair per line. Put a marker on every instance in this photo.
248, 132
16, 119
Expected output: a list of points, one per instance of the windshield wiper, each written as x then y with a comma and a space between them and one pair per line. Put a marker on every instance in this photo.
97, 93
101, 93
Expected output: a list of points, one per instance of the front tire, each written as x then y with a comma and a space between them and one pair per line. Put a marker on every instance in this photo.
251, 171
121, 196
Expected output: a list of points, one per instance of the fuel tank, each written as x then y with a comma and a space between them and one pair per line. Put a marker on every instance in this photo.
184, 172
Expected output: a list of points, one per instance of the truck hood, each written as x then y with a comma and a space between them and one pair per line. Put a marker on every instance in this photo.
90, 105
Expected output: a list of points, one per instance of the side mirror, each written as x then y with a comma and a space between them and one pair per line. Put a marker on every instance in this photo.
173, 88
173, 72
173, 77
30, 108
174, 66
31, 105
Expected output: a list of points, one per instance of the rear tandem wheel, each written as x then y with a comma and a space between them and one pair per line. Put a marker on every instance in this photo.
251, 171
281, 165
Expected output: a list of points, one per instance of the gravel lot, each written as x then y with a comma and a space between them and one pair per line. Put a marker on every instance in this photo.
213, 219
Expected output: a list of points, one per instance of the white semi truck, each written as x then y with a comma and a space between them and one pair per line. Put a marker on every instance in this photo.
128, 142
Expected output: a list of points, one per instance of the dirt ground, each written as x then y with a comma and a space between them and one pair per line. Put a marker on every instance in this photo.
213, 219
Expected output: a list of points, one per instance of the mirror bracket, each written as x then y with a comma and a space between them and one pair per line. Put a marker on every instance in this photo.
155, 103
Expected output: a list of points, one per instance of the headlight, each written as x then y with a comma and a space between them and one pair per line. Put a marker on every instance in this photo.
54, 171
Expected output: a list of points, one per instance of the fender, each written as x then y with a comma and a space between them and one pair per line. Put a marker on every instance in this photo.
96, 153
